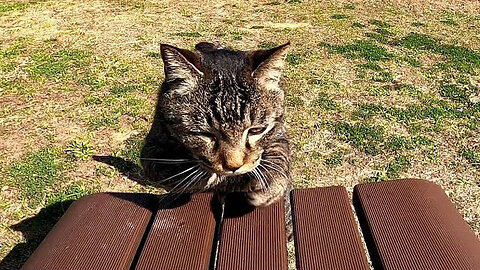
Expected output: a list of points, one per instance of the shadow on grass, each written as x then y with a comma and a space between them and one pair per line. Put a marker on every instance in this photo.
126, 167
34, 230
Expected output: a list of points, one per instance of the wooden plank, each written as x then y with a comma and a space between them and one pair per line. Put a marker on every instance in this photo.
100, 231
326, 235
411, 224
252, 239
181, 235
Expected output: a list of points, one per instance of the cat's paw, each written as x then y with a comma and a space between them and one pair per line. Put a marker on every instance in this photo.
261, 198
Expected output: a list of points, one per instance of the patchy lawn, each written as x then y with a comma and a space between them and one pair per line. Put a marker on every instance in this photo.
375, 92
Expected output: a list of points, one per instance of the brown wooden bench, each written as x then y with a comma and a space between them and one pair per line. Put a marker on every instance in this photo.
408, 224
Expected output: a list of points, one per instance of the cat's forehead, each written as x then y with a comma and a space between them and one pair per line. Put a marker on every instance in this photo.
224, 60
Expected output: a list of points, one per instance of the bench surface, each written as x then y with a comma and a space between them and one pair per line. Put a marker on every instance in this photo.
407, 224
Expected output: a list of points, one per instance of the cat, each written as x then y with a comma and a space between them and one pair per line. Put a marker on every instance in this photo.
218, 124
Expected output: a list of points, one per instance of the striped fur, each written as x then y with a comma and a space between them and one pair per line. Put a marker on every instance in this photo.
218, 124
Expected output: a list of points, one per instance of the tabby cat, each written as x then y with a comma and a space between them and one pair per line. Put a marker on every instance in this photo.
218, 124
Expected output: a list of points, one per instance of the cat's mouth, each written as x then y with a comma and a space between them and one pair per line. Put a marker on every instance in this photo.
244, 169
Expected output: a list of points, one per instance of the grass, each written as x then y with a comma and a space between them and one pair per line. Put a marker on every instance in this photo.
339, 16
78, 149
365, 137
361, 49
374, 91
454, 92
57, 64
294, 59
392, 170
324, 102
457, 57
471, 155
431, 109
38, 172
334, 159
12, 7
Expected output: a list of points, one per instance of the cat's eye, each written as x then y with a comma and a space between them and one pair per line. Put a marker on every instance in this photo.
208, 136
256, 130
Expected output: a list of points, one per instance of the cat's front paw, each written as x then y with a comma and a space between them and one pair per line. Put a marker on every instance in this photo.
262, 198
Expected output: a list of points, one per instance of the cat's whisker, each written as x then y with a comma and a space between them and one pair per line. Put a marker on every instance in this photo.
271, 163
265, 179
276, 168
259, 178
180, 173
170, 161
266, 171
280, 158
183, 181
195, 179
262, 182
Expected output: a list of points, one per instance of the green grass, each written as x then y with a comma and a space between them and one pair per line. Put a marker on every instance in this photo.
104, 119
71, 192
398, 165
78, 149
339, 16
132, 148
381, 35
358, 25
361, 49
324, 102
454, 92
189, 34
399, 142
370, 66
449, 21
236, 35
122, 90
9, 55
471, 155
36, 173
56, 65
382, 76
418, 24
267, 45
154, 55
12, 7
430, 109
457, 57
392, 170
334, 159
365, 137
379, 23
294, 58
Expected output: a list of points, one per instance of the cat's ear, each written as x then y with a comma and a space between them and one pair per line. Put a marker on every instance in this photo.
267, 65
181, 66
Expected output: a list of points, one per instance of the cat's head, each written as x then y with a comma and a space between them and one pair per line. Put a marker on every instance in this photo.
223, 104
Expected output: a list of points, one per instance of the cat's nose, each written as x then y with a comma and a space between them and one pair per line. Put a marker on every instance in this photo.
233, 160
232, 167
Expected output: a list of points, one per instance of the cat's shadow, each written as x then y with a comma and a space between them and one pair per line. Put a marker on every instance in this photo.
33, 229
127, 168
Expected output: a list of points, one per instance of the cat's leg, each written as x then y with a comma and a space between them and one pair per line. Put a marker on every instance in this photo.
265, 197
288, 213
